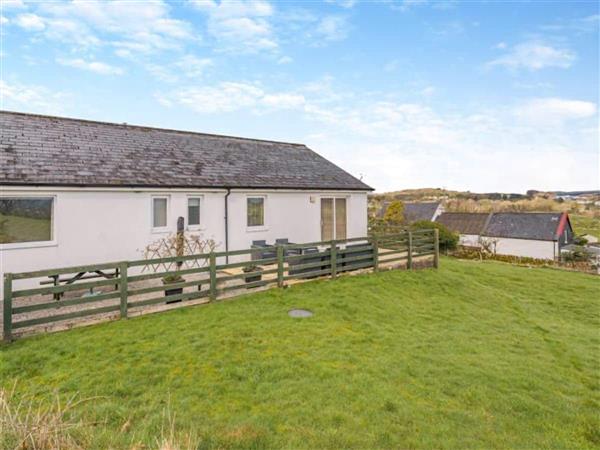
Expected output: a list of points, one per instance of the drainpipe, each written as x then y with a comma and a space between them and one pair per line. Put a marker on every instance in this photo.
227, 224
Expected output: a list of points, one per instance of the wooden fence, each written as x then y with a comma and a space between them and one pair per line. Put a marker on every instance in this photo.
134, 285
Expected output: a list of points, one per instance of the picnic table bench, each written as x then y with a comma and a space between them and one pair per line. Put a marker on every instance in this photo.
57, 280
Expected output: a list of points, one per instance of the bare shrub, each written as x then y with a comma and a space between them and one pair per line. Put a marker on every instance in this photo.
27, 425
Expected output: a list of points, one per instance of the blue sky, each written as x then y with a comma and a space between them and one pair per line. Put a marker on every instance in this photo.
480, 96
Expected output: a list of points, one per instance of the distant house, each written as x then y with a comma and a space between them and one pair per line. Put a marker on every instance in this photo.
469, 226
534, 235
414, 212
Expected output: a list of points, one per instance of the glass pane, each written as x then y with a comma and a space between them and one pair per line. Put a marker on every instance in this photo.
25, 219
326, 219
340, 218
194, 211
160, 213
256, 212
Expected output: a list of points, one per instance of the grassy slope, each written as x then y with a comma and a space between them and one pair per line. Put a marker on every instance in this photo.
472, 356
585, 225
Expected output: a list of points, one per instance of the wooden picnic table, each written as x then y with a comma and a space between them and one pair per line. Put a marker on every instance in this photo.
57, 280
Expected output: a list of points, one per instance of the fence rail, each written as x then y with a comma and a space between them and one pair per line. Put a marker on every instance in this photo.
213, 277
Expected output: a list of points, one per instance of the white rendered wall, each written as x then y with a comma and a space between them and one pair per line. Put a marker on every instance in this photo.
469, 240
96, 226
526, 247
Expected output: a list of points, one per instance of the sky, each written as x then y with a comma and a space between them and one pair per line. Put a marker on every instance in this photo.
480, 96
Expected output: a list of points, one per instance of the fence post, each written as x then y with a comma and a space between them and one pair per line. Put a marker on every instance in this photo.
213, 277
280, 266
7, 307
436, 245
333, 259
123, 288
410, 249
375, 246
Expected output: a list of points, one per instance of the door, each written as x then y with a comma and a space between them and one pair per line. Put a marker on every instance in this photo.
333, 218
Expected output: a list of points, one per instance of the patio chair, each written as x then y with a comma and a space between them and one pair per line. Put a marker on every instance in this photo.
270, 252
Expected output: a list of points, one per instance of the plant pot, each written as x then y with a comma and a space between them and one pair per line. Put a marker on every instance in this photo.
173, 291
253, 278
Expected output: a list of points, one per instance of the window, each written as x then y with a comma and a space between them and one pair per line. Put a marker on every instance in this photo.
159, 212
26, 219
193, 211
256, 211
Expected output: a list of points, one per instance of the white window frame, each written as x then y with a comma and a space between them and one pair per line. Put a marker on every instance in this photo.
197, 227
347, 198
166, 227
264, 226
35, 244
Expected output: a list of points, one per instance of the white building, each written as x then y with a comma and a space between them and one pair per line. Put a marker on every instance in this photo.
76, 192
534, 235
528, 234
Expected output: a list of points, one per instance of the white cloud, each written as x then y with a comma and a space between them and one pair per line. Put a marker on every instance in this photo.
283, 101
187, 66
19, 96
124, 24
192, 66
285, 60
333, 28
239, 26
13, 4
3, 20
343, 3
534, 55
30, 22
228, 97
91, 66
554, 111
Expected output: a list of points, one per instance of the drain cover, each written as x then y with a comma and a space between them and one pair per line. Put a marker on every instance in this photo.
300, 313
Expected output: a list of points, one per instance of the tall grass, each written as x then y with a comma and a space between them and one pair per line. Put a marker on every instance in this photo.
28, 425
25, 424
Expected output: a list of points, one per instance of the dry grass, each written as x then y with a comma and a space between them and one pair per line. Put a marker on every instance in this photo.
26, 425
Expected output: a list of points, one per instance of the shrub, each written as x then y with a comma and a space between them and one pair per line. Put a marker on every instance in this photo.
394, 214
448, 239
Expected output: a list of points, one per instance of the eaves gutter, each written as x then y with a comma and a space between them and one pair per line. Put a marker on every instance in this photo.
175, 186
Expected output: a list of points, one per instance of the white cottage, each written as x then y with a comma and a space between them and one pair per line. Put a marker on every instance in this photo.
75, 192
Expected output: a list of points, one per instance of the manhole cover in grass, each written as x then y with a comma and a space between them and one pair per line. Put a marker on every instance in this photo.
300, 313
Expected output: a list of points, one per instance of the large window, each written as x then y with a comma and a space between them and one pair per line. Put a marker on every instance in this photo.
333, 218
194, 211
256, 211
159, 212
26, 219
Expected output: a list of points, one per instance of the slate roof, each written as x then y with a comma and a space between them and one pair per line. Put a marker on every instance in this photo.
44, 150
414, 212
464, 223
539, 226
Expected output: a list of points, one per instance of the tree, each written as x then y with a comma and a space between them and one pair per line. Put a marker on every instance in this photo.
394, 214
448, 239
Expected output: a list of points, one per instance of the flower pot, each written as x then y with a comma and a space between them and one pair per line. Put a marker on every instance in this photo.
253, 278
173, 291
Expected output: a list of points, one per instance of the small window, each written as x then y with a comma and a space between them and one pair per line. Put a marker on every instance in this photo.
256, 211
159, 212
25, 219
193, 211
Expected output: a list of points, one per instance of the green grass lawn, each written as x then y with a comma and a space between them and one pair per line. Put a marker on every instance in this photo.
585, 225
475, 355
